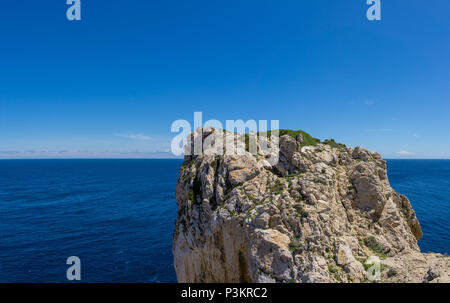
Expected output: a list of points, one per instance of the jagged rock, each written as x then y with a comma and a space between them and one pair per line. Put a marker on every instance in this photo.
262, 220
288, 146
320, 214
241, 168
344, 256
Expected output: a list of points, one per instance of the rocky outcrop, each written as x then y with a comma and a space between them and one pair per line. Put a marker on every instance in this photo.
323, 213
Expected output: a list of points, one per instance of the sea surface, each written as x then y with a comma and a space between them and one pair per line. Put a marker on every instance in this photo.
118, 216
426, 183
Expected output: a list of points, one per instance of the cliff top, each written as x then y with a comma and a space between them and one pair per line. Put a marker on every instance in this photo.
323, 212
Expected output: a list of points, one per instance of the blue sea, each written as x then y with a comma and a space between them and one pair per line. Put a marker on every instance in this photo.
118, 216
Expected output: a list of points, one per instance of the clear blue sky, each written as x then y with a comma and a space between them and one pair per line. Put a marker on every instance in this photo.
113, 83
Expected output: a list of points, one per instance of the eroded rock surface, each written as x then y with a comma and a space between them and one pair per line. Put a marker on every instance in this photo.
323, 213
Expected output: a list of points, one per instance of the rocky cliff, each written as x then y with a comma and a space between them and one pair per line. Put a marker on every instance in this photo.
323, 213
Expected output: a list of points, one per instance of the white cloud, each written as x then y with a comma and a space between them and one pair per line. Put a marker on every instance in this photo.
377, 130
139, 136
80, 154
404, 152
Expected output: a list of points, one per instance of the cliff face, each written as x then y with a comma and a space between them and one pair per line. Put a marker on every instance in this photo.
323, 213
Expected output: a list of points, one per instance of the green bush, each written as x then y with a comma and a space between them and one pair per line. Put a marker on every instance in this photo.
295, 245
277, 188
374, 246
333, 143
300, 210
320, 180
308, 140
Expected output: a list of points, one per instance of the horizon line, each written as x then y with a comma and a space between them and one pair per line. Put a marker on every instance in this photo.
177, 158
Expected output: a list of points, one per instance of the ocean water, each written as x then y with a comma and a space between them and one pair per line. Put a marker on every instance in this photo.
118, 216
426, 183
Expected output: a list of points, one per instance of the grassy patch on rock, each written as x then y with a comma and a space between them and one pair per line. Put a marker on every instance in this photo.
308, 140
300, 210
277, 188
374, 246
333, 143
295, 245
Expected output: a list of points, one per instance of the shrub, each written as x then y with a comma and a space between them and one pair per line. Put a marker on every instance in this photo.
295, 245
333, 143
301, 211
374, 246
253, 199
308, 140
320, 180
277, 188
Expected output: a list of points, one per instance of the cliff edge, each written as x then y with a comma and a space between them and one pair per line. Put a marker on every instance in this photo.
324, 213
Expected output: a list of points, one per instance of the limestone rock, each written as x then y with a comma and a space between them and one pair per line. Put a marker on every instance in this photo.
344, 256
320, 214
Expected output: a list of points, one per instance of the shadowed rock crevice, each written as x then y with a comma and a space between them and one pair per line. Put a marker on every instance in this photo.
244, 276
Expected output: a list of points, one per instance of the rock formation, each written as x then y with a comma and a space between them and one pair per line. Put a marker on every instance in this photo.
324, 213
